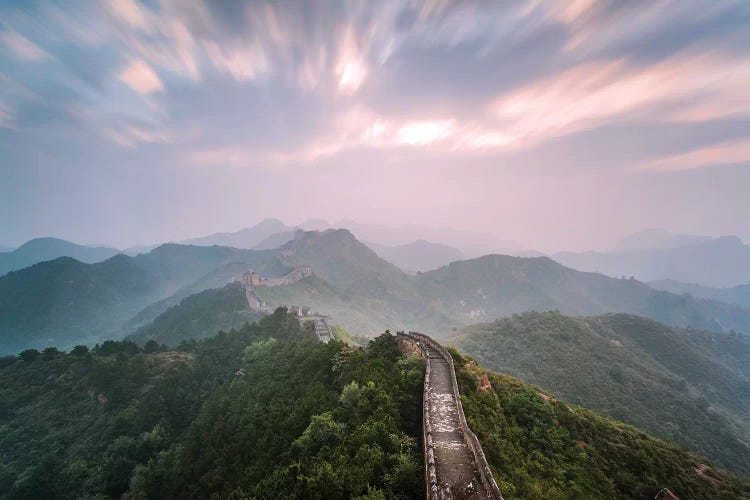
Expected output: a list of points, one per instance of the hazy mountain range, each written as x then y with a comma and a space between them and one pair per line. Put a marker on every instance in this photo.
41, 249
657, 239
737, 295
470, 243
418, 256
63, 301
272, 233
246, 238
651, 256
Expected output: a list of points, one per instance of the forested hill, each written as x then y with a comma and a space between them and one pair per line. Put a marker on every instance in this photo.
497, 285
539, 447
267, 412
63, 302
687, 386
43, 249
486, 288
199, 316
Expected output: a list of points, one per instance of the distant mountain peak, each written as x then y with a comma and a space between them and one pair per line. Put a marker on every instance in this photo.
730, 240
327, 236
50, 248
716, 262
246, 238
44, 240
657, 239
270, 222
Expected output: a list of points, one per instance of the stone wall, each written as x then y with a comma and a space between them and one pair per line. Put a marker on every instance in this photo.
409, 342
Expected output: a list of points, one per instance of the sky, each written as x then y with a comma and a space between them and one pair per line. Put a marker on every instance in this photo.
554, 124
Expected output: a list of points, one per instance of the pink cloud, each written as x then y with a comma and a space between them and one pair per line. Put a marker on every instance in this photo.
713, 156
21, 47
244, 63
128, 12
131, 136
692, 86
140, 77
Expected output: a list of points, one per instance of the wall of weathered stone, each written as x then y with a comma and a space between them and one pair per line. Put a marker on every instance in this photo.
414, 341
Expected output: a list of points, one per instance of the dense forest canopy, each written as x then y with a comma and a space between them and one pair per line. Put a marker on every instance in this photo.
544, 449
689, 387
248, 412
265, 411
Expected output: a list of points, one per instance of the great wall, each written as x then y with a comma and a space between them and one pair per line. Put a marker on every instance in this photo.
455, 466
251, 280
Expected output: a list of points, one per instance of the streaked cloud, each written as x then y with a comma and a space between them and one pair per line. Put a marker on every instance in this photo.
6, 116
130, 135
715, 156
129, 12
451, 89
21, 47
686, 87
244, 64
140, 77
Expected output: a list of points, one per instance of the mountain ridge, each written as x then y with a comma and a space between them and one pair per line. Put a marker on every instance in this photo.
418, 256
48, 248
737, 295
64, 301
717, 262
246, 238
361, 288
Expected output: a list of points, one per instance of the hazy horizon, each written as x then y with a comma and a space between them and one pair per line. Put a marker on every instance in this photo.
502, 245
555, 125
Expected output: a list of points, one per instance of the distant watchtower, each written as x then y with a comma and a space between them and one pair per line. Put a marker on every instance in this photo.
250, 279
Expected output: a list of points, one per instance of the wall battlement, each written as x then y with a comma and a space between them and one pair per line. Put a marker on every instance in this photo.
251, 279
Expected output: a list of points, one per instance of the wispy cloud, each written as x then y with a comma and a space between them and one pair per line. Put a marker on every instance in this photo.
489, 91
140, 77
715, 156
129, 12
21, 47
243, 63
596, 93
6, 116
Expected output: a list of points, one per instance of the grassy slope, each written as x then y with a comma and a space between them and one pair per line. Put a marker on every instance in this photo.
688, 387
541, 448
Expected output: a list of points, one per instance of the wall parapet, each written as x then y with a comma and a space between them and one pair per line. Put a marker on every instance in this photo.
485, 474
